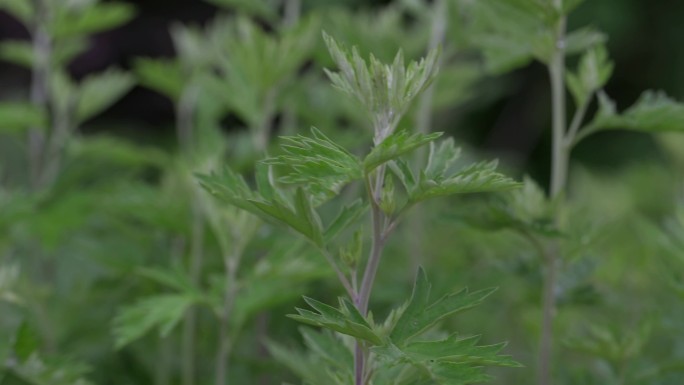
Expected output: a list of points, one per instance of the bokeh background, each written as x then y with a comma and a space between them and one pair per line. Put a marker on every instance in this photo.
80, 245
644, 38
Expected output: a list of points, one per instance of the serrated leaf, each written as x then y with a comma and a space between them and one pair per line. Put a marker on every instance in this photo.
162, 311
347, 215
394, 146
441, 158
317, 163
654, 112
162, 75
231, 188
383, 90
476, 178
420, 314
346, 320
455, 349
593, 73
301, 217
98, 92
17, 117
96, 17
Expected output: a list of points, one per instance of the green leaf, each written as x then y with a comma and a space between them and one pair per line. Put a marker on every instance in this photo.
511, 33
162, 75
231, 188
384, 91
328, 347
23, 10
115, 151
457, 349
98, 92
583, 39
317, 163
593, 73
18, 52
394, 146
346, 320
302, 217
347, 215
17, 117
476, 178
160, 311
75, 21
526, 210
654, 112
26, 341
420, 314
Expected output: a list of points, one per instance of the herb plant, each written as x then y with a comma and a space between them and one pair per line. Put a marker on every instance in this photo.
318, 169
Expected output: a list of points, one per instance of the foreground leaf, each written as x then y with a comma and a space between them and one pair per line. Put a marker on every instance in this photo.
346, 320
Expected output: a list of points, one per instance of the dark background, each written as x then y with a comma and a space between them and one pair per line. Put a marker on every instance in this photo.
645, 40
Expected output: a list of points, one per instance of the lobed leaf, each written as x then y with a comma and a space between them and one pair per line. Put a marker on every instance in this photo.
420, 314
476, 178
394, 146
160, 311
654, 112
317, 163
346, 320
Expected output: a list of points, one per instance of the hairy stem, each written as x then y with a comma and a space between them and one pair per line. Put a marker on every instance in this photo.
40, 82
377, 246
559, 171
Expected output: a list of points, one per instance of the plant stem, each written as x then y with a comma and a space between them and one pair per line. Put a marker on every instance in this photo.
559, 171
231, 263
196, 262
40, 80
292, 11
377, 245
185, 117
262, 133
53, 149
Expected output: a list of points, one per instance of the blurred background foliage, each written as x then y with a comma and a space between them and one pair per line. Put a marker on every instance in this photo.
99, 268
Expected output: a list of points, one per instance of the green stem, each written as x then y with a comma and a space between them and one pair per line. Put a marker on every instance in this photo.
378, 242
232, 263
559, 173
190, 324
40, 82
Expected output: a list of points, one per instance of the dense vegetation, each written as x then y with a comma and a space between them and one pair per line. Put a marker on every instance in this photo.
311, 225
